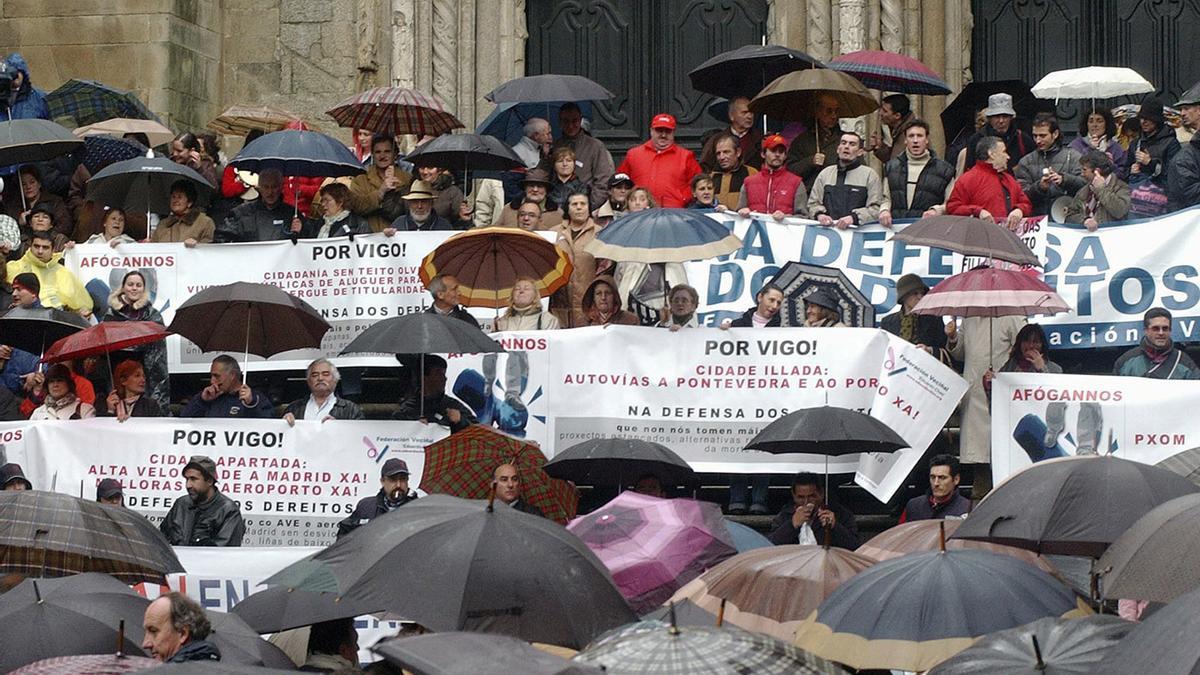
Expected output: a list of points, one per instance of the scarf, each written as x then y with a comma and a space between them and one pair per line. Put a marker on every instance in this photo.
1155, 355
327, 227
66, 401
1100, 144
908, 327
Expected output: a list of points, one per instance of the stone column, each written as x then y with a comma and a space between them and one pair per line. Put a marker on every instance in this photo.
820, 29
891, 26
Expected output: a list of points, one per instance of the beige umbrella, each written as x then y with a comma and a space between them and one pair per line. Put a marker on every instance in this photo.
792, 97
772, 590
239, 120
156, 132
925, 535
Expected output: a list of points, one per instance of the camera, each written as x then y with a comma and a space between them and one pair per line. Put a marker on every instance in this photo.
7, 75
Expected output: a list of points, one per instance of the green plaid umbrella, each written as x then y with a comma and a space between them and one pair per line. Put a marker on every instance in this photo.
88, 102
461, 465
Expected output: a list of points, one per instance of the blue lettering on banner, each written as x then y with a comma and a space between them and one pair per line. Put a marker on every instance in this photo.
1145, 286
1173, 282
221, 594
859, 249
716, 277
827, 241
757, 243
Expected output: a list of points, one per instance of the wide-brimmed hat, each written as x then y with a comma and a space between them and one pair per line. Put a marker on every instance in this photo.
419, 190
1000, 104
821, 298
909, 283
536, 177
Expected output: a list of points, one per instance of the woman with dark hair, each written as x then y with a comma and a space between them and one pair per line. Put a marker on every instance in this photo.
128, 399
336, 220
131, 302
60, 402
187, 149
1029, 353
1098, 131
112, 229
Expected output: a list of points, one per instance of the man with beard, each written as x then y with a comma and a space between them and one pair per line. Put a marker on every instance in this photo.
393, 494
205, 517
322, 403
774, 189
1157, 356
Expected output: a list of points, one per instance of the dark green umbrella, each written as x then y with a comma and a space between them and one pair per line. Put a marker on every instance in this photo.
1045, 647
88, 102
457, 653
1164, 643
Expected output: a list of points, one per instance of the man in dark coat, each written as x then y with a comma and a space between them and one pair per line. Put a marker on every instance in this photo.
205, 517
1150, 156
267, 218
1000, 114
506, 481
444, 289
809, 519
430, 403
1156, 357
1183, 176
918, 183
816, 148
1050, 171
420, 217
322, 403
227, 395
394, 494
943, 499
176, 630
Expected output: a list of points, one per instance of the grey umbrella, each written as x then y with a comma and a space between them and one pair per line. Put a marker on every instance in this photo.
799, 280
1156, 558
35, 328
466, 152
1164, 643
35, 140
458, 653
241, 645
144, 183
280, 608
1186, 464
1072, 506
968, 236
1045, 647
453, 564
618, 460
548, 89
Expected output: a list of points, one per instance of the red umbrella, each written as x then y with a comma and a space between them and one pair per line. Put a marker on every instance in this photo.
395, 110
988, 291
889, 71
105, 337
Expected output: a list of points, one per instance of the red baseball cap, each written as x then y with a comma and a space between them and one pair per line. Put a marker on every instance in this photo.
774, 141
662, 121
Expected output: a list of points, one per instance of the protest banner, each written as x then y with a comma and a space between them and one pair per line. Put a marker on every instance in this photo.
1135, 418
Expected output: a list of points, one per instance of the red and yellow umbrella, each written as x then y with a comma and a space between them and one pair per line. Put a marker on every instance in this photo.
487, 261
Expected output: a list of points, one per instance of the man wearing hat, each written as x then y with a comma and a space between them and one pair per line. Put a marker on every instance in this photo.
661, 166
1183, 176
420, 216
821, 310
393, 494
1000, 114
924, 330
535, 186
205, 517
13, 478
774, 189
1150, 156
593, 162
109, 491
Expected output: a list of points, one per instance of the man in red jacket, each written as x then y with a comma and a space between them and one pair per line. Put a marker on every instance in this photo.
774, 189
988, 189
661, 166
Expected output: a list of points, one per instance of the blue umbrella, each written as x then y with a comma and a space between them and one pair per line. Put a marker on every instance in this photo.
507, 121
663, 236
746, 538
102, 150
298, 153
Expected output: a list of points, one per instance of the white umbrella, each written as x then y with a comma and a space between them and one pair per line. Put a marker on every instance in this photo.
155, 132
1092, 82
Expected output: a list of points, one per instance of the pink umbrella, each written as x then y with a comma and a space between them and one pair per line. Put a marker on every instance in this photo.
654, 546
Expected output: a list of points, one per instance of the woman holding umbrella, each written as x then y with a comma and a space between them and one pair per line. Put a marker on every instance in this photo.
131, 302
128, 398
61, 403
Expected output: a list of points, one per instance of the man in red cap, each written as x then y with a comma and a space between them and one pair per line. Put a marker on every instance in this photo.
774, 189
661, 166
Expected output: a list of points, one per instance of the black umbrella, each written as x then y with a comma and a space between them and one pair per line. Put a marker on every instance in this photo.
144, 183
968, 236
1072, 506
256, 319
422, 333
280, 608
239, 643
602, 461
223, 667
799, 280
458, 653
958, 118
1164, 643
47, 534
81, 614
1156, 557
466, 152
35, 140
35, 328
453, 564
1186, 463
1045, 647
548, 89
298, 153
746, 70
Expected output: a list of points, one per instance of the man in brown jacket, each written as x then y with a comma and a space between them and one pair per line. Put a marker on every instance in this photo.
186, 223
376, 194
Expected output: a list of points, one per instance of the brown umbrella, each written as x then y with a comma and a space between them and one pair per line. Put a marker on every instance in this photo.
772, 590
793, 96
925, 535
487, 262
969, 236
240, 120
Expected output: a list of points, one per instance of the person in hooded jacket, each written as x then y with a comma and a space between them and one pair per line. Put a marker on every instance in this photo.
29, 102
1150, 155
602, 304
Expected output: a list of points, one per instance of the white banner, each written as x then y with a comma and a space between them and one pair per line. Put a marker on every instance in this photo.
1136, 418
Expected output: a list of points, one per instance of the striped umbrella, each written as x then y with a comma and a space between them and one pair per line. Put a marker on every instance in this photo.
889, 71
240, 120
88, 102
488, 261
395, 110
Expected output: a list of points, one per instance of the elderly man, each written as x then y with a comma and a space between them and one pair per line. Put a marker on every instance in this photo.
943, 499
896, 115
848, 193
13, 478
110, 491
322, 403
988, 189
593, 162
429, 403
661, 166
506, 481
918, 183
59, 288
267, 218
536, 186
809, 519
1157, 356
774, 189
814, 149
731, 172
393, 494
205, 517
741, 129
534, 146
420, 217
444, 289
176, 630
227, 396
1000, 114
1051, 170
375, 195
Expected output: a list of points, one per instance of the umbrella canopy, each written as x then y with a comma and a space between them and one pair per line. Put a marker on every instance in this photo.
88, 102
746, 70
35, 328
548, 88
1155, 558
1045, 647
81, 614
1186, 464
1092, 82
240, 644
105, 337
88, 664
914, 612
919, 536
240, 120
969, 236
222, 667
507, 121
463, 152
653, 546
462, 464
34, 140
616, 461
958, 118
663, 236
1164, 643
101, 150
792, 96
281, 608
746, 538
798, 280
826, 430
1072, 505
144, 183
47, 534
395, 111
154, 130
772, 590
258, 319
652, 647
294, 152
487, 262
422, 333
889, 71
992, 292
458, 653
498, 570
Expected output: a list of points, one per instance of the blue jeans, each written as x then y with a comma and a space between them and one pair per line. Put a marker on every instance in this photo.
738, 484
